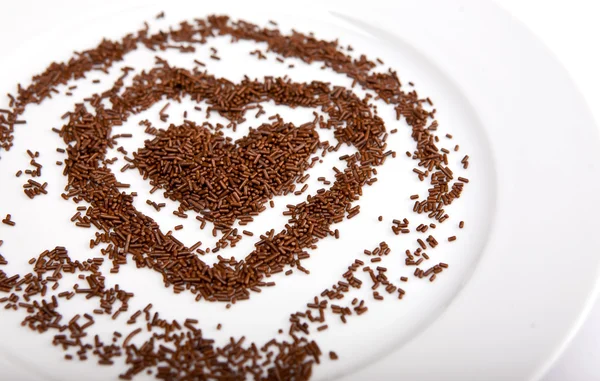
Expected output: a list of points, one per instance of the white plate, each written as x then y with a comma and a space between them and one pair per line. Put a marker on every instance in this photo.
521, 273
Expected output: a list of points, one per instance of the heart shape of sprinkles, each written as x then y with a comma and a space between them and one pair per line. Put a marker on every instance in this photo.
223, 180
130, 232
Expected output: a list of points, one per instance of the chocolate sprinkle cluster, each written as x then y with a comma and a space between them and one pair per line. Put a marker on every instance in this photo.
222, 182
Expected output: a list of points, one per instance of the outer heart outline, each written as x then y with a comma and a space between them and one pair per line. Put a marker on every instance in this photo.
353, 124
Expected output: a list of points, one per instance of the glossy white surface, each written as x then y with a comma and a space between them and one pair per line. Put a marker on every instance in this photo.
570, 39
513, 316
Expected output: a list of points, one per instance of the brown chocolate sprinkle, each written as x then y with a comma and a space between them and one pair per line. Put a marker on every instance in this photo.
7, 220
224, 182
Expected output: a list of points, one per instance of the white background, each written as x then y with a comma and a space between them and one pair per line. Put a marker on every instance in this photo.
569, 28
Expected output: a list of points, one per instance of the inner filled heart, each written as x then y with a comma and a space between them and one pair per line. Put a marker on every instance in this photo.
208, 173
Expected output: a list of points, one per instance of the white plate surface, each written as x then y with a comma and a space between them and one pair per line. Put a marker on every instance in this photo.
522, 272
